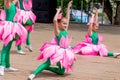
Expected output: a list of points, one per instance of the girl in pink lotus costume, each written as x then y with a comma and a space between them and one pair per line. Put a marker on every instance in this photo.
27, 18
58, 50
92, 45
10, 31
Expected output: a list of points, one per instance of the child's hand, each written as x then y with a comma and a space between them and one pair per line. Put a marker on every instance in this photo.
95, 9
70, 3
58, 9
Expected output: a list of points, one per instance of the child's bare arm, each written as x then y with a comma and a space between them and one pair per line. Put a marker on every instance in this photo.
55, 22
90, 26
68, 12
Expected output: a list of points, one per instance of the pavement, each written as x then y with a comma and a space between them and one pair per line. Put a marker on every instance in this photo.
85, 68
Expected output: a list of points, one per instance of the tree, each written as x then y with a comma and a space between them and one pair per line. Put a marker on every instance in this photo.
1, 4
109, 11
117, 16
76, 4
108, 7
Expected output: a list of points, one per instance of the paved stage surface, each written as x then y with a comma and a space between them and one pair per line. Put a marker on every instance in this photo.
85, 68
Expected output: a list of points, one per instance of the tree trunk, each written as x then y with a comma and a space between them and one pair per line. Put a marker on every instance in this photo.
107, 9
117, 16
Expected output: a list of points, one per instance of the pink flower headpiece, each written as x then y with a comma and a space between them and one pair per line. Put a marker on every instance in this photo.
59, 16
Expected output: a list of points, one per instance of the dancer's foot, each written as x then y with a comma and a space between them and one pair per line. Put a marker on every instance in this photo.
11, 69
31, 77
21, 52
1, 70
116, 55
29, 48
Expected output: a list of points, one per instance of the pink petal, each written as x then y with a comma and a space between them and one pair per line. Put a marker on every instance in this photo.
57, 56
27, 5
8, 39
2, 15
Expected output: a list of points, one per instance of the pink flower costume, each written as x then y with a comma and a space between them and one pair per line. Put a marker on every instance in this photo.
58, 53
88, 48
24, 14
92, 45
11, 30
27, 18
7, 34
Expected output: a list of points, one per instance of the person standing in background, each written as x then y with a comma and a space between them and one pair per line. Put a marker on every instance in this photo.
27, 18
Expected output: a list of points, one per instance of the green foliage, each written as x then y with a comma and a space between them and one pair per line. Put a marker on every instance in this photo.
87, 5
117, 1
64, 7
1, 4
76, 5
